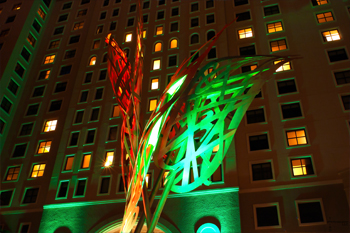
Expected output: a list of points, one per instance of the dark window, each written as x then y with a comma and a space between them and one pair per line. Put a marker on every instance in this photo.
132, 8
175, 11
74, 139
243, 16
113, 26
19, 150
247, 50
112, 135
6, 105
31, 195
104, 185
258, 142
26, 129
118, 1
194, 22
65, 70
145, 5
271, 10
310, 212
79, 117
82, 13
121, 183
160, 15
84, 96
172, 61
291, 110
161, 2
80, 188
262, 171
25, 228
88, 77
209, 4
67, 5
63, 189
318, 2
63, 18
259, 95
32, 110
267, 216
212, 53
115, 12
248, 68
74, 39
5, 198
174, 27
210, 35
337, 55
99, 29
60, 87
194, 39
98, 94
2, 126
84, 2
13, 87
10, 19
287, 86
25, 54
4, 32
105, 57
106, 2
210, 19
69, 54
55, 105
58, 30
255, 116
240, 2
47, 2
90, 136
195, 56
145, 18
94, 114
342, 77
44, 74
103, 15
130, 22
19, 70
194, 7
346, 101
103, 75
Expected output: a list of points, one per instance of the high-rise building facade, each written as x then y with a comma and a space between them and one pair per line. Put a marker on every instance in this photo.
287, 170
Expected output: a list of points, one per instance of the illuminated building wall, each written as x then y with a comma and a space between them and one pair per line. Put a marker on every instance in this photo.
290, 154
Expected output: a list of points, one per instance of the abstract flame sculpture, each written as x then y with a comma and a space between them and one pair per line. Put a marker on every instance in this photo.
197, 112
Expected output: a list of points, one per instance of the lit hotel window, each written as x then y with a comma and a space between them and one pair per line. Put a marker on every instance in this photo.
296, 137
49, 59
159, 30
69, 163
92, 61
319, 2
325, 17
245, 33
86, 161
115, 111
144, 33
128, 37
44, 147
109, 158
152, 105
38, 170
274, 27
154, 84
156, 64
41, 13
331, 35
50, 126
173, 43
12, 173
278, 45
79, 25
302, 167
16, 7
158, 47
284, 67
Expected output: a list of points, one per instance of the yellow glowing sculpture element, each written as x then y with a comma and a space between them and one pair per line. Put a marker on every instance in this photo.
331, 35
296, 137
38, 170
284, 67
109, 159
44, 147
245, 33
50, 126
92, 61
128, 37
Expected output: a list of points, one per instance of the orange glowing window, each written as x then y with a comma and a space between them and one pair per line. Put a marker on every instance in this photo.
156, 64
128, 37
331, 35
158, 47
16, 7
69, 163
50, 126
38, 170
278, 45
325, 17
44, 147
109, 159
173, 43
79, 25
86, 161
245, 33
274, 27
13, 173
152, 105
41, 13
296, 137
116, 111
302, 167
49, 59
159, 30
144, 34
321, 2
284, 67
92, 61
154, 84
216, 148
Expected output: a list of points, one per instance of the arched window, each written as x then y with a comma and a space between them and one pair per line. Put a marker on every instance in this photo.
92, 61
194, 39
158, 47
126, 51
173, 43
210, 35
104, 58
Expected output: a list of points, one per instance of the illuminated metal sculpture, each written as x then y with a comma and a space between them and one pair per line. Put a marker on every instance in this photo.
198, 113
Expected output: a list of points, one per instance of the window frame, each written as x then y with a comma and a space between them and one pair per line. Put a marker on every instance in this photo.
87, 135
31, 177
47, 121
59, 188
149, 104
255, 206
256, 134
283, 118
251, 163
296, 129
290, 159
81, 168
274, 22
160, 64
310, 201
70, 139
24, 195
76, 188
254, 109
44, 148
270, 6
7, 173
65, 163
286, 80
100, 186
14, 149
11, 198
